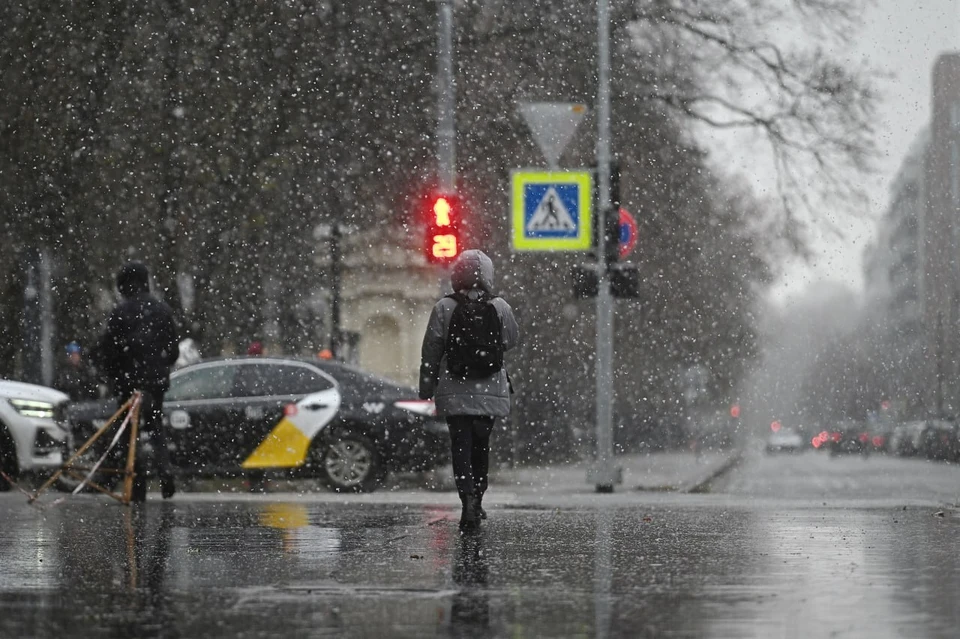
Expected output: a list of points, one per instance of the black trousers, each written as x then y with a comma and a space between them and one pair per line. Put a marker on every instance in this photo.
151, 422
470, 451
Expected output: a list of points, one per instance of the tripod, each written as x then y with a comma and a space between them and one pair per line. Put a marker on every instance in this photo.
127, 416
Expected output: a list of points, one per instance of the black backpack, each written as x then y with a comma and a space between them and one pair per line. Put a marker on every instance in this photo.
474, 339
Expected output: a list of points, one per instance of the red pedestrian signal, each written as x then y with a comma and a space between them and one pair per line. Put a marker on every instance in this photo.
443, 234
441, 211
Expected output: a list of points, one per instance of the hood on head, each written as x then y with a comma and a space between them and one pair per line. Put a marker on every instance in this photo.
473, 269
133, 279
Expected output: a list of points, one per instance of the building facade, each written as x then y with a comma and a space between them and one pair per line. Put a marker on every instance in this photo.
913, 269
388, 293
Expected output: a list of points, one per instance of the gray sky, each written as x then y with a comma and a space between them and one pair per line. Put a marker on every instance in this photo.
902, 38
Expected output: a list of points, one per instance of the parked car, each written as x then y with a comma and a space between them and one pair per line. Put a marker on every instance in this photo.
849, 437
880, 437
31, 441
938, 440
785, 440
906, 438
302, 418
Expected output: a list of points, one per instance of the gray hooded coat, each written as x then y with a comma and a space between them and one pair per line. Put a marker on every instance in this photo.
472, 273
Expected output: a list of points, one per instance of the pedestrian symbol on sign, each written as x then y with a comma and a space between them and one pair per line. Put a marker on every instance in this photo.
551, 214
551, 210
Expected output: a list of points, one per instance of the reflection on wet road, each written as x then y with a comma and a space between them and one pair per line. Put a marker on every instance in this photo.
719, 565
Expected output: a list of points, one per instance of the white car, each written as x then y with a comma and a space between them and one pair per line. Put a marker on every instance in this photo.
31, 441
785, 440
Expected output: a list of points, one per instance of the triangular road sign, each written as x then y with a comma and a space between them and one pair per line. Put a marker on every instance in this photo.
551, 214
552, 125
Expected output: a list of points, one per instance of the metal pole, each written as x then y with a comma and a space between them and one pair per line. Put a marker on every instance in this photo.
446, 124
940, 346
604, 473
32, 312
335, 275
446, 117
46, 318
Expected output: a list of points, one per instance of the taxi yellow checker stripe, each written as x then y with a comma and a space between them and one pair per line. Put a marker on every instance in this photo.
285, 447
287, 444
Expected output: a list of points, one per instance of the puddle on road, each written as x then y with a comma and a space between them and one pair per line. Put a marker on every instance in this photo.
264, 569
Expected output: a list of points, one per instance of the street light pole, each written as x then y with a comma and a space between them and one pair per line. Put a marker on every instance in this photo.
604, 474
446, 114
446, 103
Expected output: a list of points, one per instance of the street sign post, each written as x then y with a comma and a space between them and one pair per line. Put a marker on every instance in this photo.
552, 210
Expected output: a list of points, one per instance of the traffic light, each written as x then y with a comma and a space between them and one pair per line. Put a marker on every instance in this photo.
611, 235
443, 243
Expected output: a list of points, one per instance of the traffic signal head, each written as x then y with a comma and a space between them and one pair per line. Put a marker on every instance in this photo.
442, 241
611, 235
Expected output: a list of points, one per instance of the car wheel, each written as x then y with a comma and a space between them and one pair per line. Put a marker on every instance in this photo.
350, 463
8, 459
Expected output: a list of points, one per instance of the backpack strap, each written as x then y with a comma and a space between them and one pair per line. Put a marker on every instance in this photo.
460, 298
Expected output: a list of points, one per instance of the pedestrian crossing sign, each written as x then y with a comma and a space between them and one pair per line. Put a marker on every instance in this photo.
552, 210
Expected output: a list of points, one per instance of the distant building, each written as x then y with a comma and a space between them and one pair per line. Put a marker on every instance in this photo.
388, 293
939, 228
913, 268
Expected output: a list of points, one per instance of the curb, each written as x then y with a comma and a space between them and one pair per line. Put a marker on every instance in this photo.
702, 485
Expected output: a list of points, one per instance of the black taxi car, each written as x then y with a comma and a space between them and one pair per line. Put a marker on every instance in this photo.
300, 417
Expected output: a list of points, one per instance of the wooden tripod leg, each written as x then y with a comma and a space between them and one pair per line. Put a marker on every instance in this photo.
87, 444
130, 471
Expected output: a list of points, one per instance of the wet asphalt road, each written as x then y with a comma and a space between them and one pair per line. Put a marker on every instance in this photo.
802, 546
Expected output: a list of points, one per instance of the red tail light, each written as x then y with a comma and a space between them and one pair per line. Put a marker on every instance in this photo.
864, 438
879, 441
836, 437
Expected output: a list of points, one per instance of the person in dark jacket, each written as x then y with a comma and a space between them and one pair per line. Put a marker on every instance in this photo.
76, 379
471, 406
135, 353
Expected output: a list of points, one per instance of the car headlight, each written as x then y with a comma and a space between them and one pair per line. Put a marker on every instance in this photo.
32, 408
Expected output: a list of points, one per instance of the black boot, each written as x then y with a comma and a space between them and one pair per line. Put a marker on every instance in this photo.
469, 518
167, 486
139, 492
480, 511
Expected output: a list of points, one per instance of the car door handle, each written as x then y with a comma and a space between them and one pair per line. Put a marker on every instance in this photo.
316, 406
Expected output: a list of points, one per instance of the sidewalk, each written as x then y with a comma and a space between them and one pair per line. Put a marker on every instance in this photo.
669, 471
558, 485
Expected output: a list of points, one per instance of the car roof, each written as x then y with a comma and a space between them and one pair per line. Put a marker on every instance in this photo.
331, 367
